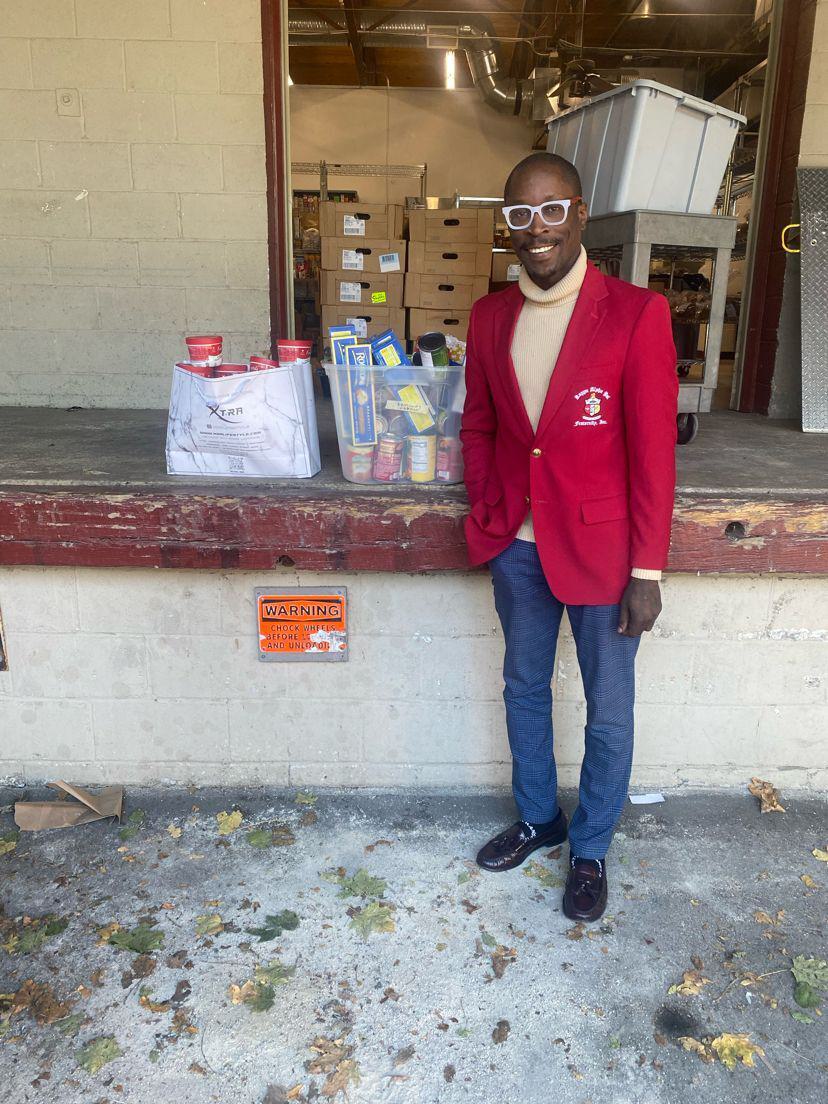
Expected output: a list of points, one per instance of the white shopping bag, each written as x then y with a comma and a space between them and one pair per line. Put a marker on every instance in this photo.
251, 424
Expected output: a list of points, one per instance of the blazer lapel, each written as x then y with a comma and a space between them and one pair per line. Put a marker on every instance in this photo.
510, 312
586, 318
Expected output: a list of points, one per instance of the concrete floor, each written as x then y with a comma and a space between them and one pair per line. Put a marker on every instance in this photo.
579, 1015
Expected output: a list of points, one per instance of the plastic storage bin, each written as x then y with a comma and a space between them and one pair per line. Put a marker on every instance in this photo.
647, 147
398, 425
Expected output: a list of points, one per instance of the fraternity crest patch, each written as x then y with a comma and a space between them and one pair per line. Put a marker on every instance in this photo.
594, 408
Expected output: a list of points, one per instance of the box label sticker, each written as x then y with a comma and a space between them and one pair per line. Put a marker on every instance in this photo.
378, 297
352, 260
389, 262
302, 623
513, 272
350, 293
355, 226
360, 326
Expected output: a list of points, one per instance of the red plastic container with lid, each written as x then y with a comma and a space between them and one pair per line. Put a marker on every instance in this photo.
262, 364
229, 370
290, 351
203, 370
205, 350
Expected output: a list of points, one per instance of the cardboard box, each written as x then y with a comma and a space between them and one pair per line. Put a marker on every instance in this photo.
452, 224
363, 255
375, 289
375, 319
449, 259
361, 220
451, 293
505, 267
429, 321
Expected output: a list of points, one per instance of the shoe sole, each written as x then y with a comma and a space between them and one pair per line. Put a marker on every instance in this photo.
553, 841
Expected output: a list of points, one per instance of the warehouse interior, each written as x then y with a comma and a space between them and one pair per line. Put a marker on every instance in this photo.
431, 102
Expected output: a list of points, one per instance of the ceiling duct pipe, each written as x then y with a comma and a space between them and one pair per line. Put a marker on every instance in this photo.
468, 33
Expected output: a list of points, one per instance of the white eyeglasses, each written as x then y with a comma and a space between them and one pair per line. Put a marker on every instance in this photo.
520, 215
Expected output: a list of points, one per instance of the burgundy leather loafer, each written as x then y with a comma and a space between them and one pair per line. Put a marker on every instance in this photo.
511, 847
585, 896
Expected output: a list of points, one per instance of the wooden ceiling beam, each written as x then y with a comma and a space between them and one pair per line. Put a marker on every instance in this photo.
366, 73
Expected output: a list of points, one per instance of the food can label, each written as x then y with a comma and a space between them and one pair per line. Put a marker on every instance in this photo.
352, 260
350, 292
355, 226
389, 262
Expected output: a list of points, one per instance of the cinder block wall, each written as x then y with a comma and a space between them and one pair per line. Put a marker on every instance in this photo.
135, 211
146, 676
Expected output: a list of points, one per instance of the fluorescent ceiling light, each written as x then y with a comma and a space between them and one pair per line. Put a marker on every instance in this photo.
450, 69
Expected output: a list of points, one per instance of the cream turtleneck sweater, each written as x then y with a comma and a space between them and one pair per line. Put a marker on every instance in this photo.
537, 341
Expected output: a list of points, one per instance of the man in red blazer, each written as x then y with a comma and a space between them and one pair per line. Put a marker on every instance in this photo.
568, 433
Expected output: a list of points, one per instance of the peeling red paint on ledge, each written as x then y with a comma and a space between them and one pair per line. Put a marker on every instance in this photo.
363, 531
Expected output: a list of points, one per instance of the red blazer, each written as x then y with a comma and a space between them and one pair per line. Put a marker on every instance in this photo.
599, 473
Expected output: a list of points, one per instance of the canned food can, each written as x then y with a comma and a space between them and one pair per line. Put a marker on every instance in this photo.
449, 460
433, 350
381, 424
388, 458
448, 423
422, 459
398, 425
358, 463
262, 364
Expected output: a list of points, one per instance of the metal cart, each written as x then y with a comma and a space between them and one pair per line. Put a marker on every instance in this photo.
640, 235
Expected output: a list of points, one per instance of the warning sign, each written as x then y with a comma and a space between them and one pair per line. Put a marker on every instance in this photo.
302, 624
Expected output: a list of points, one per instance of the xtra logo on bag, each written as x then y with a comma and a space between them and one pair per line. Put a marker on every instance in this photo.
253, 424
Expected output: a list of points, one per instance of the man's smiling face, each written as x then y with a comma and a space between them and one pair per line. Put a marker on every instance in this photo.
546, 252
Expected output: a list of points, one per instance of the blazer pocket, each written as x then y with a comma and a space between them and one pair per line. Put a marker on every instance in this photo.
614, 508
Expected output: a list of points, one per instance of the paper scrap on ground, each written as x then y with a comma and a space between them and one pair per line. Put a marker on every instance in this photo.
646, 799
34, 816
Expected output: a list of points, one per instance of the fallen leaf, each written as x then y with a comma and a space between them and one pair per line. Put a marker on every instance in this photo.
449, 1073
764, 918
691, 985
807, 880
228, 822
501, 1032
378, 843
547, 878
304, 797
820, 854
806, 996
174, 831
139, 940
800, 1017
375, 917
308, 818
389, 994
501, 958
70, 1025
329, 1053
274, 974
194, 1067
338, 1081
39, 1000
209, 924
104, 934
768, 796
736, 1048
576, 933
95, 1055
813, 971
404, 1055
283, 836
32, 933
9, 841
469, 906
362, 885
260, 837
146, 1001
275, 925
704, 1052
134, 822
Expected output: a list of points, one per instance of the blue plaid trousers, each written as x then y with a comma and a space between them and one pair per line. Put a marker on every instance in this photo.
531, 616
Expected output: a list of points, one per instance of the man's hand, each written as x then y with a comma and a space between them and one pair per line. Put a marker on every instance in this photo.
640, 607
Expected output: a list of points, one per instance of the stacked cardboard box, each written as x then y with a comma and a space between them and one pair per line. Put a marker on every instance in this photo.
363, 266
449, 262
